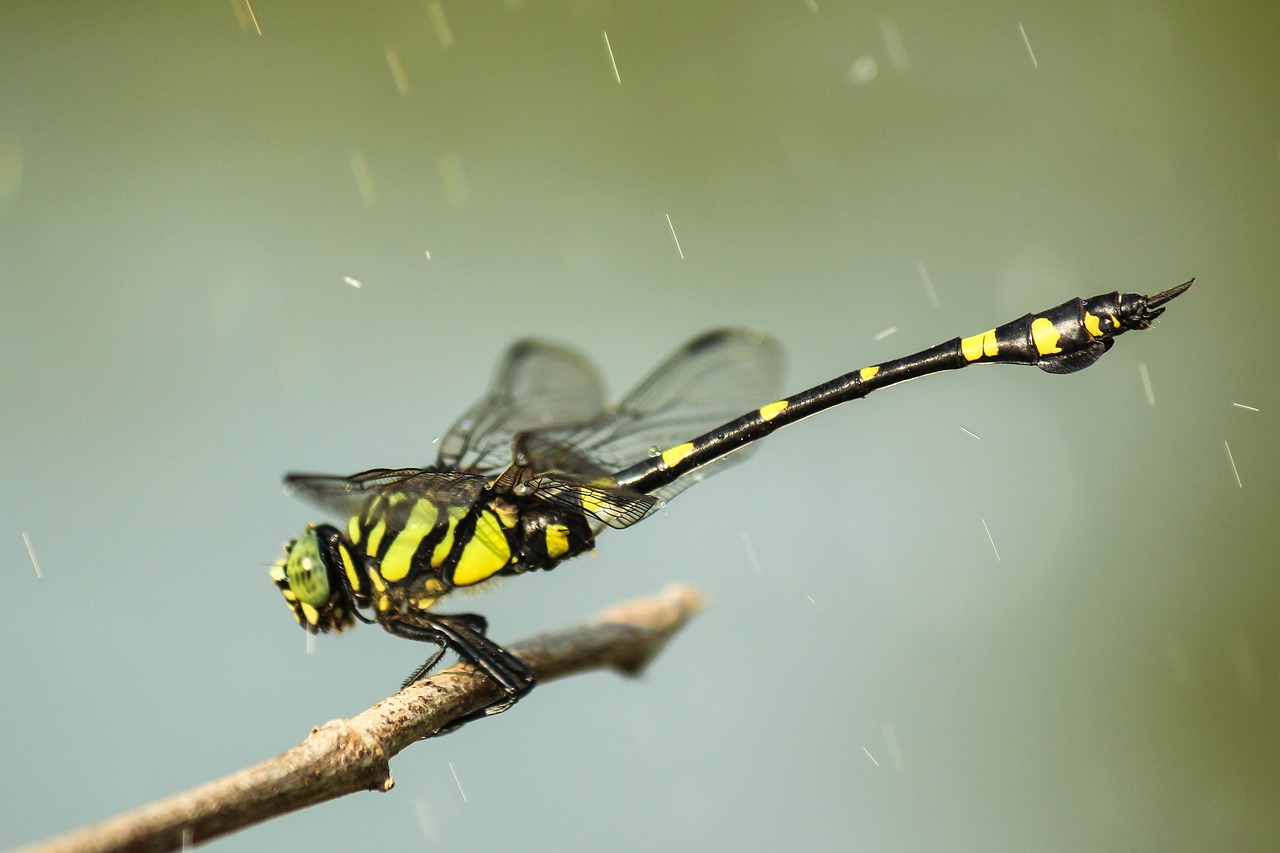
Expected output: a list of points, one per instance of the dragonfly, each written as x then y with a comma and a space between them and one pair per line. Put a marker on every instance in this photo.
543, 463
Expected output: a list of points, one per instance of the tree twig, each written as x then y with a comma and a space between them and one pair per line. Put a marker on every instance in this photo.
344, 756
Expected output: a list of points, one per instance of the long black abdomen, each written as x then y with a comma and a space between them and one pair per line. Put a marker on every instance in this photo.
1063, 339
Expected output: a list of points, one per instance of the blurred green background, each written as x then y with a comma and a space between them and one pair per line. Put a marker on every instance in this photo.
182, 201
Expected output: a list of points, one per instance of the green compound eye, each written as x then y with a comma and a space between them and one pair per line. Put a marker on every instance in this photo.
308, 577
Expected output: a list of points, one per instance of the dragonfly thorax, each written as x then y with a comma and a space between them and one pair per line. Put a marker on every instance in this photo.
400, 555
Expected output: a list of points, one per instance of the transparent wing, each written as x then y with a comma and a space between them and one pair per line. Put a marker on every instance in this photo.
537, 386
709, 381
615, 506
543, 455
347, 496
545, 413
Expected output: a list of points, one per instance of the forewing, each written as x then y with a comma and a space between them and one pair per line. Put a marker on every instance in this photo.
540, 454
347, 496
537, 386
709, 381
615, 506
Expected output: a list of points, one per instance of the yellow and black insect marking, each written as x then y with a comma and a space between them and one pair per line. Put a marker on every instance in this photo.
557, 541
772, 410
980, 346
528, 477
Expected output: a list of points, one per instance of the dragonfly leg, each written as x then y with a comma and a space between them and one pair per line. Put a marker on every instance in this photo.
465, 634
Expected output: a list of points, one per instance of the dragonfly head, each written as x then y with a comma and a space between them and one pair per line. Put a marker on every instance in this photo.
309, 576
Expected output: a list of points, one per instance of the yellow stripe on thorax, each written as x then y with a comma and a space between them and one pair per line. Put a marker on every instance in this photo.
399, 557
486, 553
441, 552
375, 537
557, 539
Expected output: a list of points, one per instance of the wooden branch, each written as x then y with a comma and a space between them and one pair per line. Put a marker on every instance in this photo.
344, 756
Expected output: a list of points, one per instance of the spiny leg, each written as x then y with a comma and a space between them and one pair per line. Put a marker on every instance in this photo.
464, 634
